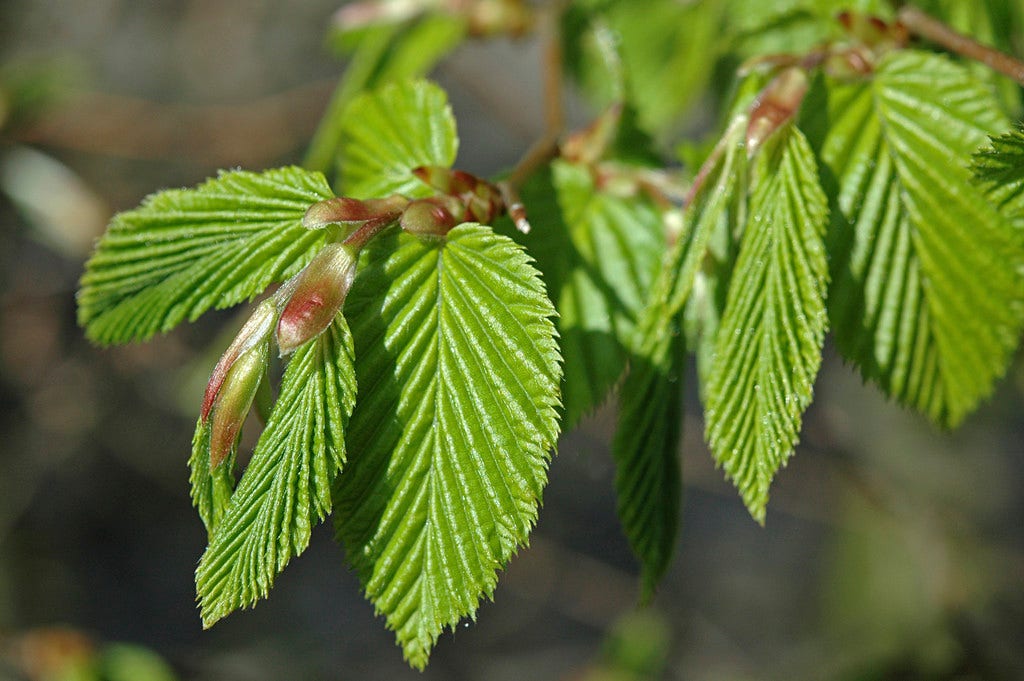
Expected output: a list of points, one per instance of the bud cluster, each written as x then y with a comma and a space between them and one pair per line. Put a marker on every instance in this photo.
305, 305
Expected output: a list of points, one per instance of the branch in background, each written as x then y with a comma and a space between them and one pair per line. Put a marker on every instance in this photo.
216, 135
925, 26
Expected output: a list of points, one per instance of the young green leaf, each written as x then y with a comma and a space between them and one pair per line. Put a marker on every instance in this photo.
647, 436
210, 488
599, 255
769, 341
388, 132
646, 452
928, 298
185, 251
381, 54
454, 427
286, 487
1000, 169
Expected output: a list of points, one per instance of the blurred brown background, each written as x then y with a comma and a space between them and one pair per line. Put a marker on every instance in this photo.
891, 551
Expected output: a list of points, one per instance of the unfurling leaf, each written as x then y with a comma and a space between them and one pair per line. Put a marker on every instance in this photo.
285, 489
454, 428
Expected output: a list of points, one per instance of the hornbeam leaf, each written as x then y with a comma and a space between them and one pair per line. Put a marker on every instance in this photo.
286, 488
453, 430
388, 132
648, 477
381, 53
210, 488
1000, 169
769, 340
599, 255
645, 448
928, 297
185, 251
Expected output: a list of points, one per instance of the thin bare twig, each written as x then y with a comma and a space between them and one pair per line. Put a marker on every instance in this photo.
554, 114
926, 26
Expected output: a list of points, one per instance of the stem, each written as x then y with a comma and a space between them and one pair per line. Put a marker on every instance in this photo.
934, 30
537, 156
712, 160
554, 114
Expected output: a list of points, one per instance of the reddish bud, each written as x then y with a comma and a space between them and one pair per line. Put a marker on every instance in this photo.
432, 217
317, 294
775, 106
255, 330
234, 400
345, 211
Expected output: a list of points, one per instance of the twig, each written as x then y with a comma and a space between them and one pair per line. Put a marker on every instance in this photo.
926, 26
554, 114
537, 156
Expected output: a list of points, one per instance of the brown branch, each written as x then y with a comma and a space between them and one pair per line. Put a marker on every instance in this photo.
210, 134
554, 114
925, 26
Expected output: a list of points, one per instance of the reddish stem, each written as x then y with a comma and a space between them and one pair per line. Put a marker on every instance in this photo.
928, 27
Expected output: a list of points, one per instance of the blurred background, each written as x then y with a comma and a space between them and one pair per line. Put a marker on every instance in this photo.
891, 551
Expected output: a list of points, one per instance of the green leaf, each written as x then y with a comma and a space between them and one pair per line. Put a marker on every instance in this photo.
286, 488
454, 426
646, 440
646, 452
599, 255
184, 251
928, 298
381, 54
210, 489
388, 132
769, 341
612, 50
1000, 170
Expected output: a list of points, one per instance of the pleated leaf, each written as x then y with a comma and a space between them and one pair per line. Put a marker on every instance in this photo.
646, 441
210, 489
769, 340
388, 132
184, 251
599, 255
286, 488
1000, 169
648, 479
380, 54
928, 297
453, 431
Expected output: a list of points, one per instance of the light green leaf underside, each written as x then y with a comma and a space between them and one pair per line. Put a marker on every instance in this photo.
184, 251
645, 449
452, 434
769, 341
388, 132
927, 295
286, 488
1000, 169
381, 54
599, 255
